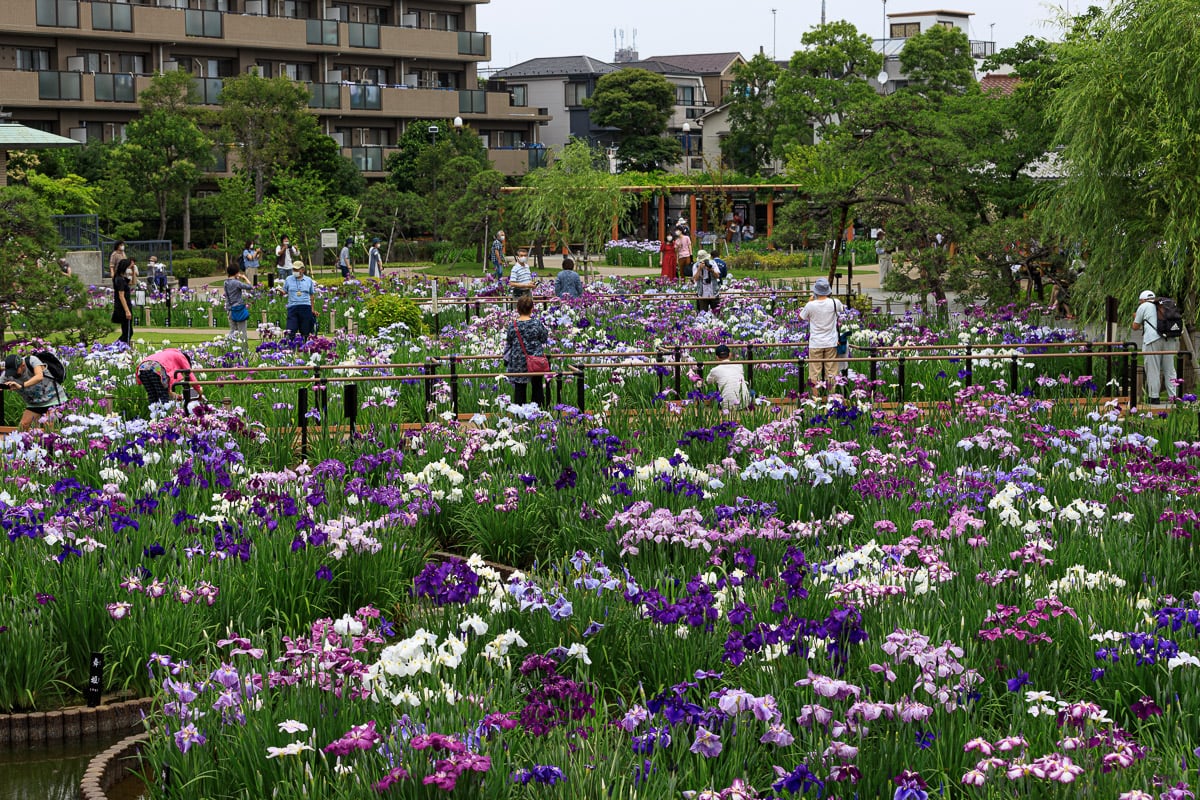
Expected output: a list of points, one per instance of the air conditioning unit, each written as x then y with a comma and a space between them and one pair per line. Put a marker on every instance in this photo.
334, 14
408, 20
78, 134
75, 63
333, 76
256, 7
413, 80
170, 65
338, 137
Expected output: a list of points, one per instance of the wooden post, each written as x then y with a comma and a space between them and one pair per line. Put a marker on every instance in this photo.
616, 234
646, 217
770, 214
692, 217
210, 316
662, 217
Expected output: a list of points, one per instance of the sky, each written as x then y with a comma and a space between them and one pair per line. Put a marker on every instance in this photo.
525, 29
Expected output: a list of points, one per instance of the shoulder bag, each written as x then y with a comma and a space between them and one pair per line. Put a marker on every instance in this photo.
540, 364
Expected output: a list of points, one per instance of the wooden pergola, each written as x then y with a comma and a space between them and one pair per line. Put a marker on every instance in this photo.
15, 136
772, 190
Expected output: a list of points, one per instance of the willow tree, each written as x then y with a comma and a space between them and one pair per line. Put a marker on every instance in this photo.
574, 199
1129, 109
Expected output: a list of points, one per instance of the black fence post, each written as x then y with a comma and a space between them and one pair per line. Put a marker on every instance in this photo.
678, 372
350, 404
1087, 361
454, 384
302, 420
1134, 392
579, 388
658, 357
1012, 374
801, 383
901, 377
970, 363
874, 369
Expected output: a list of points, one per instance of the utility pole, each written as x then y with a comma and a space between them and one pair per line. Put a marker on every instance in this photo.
773, 54
822, 12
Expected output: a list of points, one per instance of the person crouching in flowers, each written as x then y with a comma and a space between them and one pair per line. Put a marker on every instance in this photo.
29, 378
730, 379
161, 372
526, 336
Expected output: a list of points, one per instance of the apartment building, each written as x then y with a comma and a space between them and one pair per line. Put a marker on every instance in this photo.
903, 26
75, 68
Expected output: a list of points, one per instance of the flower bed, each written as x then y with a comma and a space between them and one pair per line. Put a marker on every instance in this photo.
989, 596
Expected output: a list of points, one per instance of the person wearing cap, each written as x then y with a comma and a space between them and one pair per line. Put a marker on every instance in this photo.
1160, 366
730, 379
708, 282
42, 394
821, 314
374, 260
159, 373
301, 302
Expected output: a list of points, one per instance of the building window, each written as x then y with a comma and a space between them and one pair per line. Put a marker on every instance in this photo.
509, 139
202, 23
448, 80
437, 20
363, 34
31, 59
58, 13
322, 31
948, 25
208, 90
325, 95
112, 17
297, 72
133, 62
693, 113
367, 159
115, 88
59, 86
905, 30
298, 9
519, 95
105, 131
577, 92
685, 95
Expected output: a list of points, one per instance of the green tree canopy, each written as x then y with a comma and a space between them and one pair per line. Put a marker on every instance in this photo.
267, 122
1129, 109
421, 155
638, 103
753, 116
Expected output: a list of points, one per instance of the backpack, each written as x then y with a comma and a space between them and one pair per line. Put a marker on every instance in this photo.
51, 366
1170, 320
241, 262
722, 268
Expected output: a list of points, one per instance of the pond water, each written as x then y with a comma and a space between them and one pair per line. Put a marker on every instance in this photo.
53, 772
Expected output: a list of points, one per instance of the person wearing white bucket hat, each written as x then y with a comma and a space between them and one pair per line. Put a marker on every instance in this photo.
708, 282
821, 314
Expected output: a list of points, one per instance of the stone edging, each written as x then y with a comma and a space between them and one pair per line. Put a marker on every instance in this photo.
70, 725
111, 767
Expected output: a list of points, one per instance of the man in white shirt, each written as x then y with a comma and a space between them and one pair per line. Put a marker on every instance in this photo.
1160, 367
821, 314
730, 379
520, 278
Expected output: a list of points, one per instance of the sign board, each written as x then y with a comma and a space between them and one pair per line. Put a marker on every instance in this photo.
95, 688
329, 237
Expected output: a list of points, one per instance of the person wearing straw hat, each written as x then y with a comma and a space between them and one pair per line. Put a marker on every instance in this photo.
730, 379
821, 314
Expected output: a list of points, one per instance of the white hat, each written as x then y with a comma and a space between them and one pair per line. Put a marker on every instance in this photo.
1146, 295
703, 255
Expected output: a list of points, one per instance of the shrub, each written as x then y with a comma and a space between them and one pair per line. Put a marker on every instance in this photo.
746, 262
630, 252
388, 309
450, 253
185, 267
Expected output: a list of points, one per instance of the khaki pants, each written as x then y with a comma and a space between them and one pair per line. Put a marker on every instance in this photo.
822, 365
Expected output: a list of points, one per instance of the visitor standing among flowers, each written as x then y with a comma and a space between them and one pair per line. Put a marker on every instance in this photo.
669, 259
235, 301
122, 302
821, 314
301, 302
683, 253
520, 278
525, 337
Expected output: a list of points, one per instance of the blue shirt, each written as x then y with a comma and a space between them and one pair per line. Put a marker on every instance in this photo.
568, 284
300, 290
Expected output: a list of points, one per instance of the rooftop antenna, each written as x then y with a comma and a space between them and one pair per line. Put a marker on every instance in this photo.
822, 12
885, 29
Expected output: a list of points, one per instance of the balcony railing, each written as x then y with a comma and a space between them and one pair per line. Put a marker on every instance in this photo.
203, 23
367, 159
60, 86
363, 34
322, 31
208, 90
115, 88
891, 48
112, 17
58, 13
471, 43
325, 95
472, 101
364, 97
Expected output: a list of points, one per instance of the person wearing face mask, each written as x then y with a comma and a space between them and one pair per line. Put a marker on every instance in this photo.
285, 254
301, 302
498, 254
520, 279
251, 258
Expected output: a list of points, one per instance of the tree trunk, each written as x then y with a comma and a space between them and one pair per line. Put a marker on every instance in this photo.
187, 217
162, 216
259, 185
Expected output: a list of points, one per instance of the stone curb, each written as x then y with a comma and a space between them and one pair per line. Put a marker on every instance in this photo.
70, 725
111, 767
